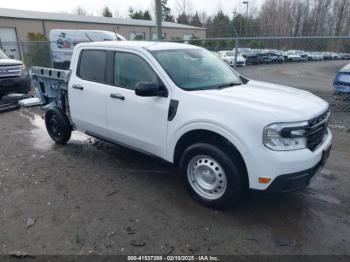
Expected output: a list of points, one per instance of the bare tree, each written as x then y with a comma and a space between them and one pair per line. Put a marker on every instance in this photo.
183, 7
79, 10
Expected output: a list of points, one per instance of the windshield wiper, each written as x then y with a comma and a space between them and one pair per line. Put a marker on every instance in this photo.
227, 85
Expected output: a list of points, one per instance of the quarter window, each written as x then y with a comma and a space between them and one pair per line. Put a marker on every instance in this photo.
129, 69
92, 65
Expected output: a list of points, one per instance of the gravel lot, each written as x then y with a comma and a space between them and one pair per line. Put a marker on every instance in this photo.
91, 197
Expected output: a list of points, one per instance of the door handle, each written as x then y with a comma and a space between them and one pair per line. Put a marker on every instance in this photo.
117, 96
78, 87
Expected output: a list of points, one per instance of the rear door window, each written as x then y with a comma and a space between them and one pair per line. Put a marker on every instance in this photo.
92, 65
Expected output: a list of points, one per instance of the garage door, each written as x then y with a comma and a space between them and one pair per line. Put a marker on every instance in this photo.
8, 42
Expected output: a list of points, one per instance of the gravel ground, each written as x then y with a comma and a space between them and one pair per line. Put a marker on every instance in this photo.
91, 197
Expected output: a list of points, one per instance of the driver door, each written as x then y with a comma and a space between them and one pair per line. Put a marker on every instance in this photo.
135, 121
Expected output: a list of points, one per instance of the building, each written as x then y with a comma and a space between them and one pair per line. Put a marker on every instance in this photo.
16, 24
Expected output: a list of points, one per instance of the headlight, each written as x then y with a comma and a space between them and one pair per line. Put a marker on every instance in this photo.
24, 71
285, 136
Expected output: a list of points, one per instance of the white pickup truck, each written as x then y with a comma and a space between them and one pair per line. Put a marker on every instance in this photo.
181, 103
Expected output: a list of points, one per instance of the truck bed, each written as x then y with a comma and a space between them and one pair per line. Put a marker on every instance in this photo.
51, 86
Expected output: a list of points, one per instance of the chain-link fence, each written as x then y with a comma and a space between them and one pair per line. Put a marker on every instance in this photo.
309, 63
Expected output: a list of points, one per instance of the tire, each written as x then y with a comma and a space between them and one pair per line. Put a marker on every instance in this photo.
211, 176
58, 125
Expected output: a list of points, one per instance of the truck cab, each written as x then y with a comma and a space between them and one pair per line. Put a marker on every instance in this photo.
181, 103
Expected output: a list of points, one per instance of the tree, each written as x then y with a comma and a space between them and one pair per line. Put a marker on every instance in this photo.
183, 19
196, 20
219, 26
106, 12
183, 6
79, 10
38, 54
143, 15
166, 12
147, 15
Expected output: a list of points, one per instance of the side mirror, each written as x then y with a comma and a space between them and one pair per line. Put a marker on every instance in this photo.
149, 89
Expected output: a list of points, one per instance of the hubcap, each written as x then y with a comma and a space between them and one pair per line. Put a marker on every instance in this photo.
206, 177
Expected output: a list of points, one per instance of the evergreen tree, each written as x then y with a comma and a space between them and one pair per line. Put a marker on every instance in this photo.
106, 12
196, 20
183, 19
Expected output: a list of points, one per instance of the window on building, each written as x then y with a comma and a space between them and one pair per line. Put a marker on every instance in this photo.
155, 36
137, 36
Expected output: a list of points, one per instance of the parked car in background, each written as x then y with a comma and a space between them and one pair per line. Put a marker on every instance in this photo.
327, 56
314, 56
275, 57
335, 56
251, 56
14, 77
229, 58
293, 56
342, 80
345, 56
63, 41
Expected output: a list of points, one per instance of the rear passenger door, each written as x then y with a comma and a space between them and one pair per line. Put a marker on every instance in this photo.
88, 91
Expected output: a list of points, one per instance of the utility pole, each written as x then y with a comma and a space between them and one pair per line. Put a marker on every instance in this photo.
246, 17
159, 20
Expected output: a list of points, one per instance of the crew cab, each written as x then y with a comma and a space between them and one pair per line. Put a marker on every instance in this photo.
181, 103
14, 77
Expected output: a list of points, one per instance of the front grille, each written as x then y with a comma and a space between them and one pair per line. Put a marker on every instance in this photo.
317, 130
10, 71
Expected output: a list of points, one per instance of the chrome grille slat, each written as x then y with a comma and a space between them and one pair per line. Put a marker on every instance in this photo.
317, 130
10, 71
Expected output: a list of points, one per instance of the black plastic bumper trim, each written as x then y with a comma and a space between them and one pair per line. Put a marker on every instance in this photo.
295, 181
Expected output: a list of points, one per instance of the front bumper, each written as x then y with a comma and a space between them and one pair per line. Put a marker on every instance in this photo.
297, 181
15, 85
262, 162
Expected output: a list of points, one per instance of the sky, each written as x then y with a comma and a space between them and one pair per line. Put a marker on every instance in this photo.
120, 7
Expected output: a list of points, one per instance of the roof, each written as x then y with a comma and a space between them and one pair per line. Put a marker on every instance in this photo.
149, 45
24, 14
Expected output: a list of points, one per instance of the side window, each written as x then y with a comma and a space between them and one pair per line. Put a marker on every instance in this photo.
130, 69
92, 65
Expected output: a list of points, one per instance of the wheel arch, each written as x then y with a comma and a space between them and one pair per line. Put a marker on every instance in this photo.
205, 135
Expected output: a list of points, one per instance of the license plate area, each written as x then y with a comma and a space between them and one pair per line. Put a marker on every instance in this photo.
7, 82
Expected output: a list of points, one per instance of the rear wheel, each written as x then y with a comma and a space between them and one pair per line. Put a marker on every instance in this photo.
211, 176
58, 126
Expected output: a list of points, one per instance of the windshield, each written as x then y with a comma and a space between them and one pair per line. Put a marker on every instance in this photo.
3, 55
196, 69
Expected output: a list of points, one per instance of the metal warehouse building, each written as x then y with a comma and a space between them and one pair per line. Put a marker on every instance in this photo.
16, 24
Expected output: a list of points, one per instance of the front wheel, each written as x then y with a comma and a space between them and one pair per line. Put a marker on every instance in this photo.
58, 125
211, 176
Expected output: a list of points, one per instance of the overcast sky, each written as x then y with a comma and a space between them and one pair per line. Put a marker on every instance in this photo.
120, 7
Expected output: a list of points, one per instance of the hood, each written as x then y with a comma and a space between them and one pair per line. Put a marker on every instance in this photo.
4, 62
280, 102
